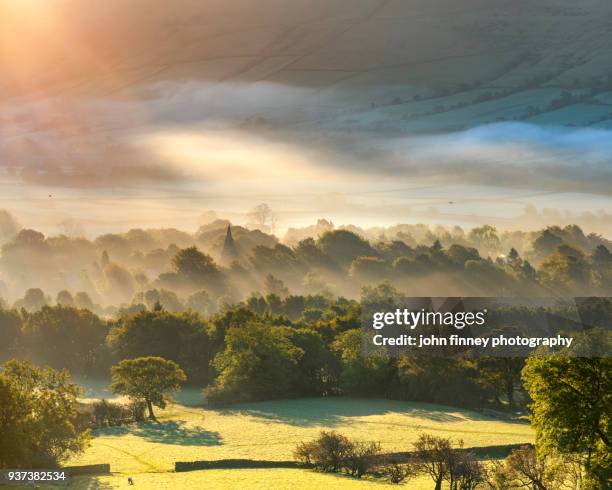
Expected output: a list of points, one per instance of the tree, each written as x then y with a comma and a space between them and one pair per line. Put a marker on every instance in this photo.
433, 456
368, 269
437, 457
167, 299
460, 254
262, 218
524, 469
34, 299
181, 338
65, 337
362, 375
192, 263
64, 298
200, 302
572, 400
82, 300
344, 246
318, 368
259, 362
328, 452
150, 379
10, 329
118, 283
38, 417
566, 270
276, 286
601, 258
501, 374
546, 243
486, 237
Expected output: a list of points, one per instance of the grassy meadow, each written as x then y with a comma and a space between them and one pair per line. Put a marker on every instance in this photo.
271, 430
256, 479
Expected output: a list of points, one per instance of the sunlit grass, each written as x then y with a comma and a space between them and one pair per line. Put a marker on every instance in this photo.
271, 430
254, 479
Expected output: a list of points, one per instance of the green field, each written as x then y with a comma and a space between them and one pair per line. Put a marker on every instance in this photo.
262, 479
271, 430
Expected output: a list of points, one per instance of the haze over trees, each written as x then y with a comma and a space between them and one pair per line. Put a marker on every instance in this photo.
118, 273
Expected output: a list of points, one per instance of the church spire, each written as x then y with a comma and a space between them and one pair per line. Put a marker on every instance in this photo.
229, 247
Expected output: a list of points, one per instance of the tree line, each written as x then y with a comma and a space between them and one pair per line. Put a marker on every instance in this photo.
123, 273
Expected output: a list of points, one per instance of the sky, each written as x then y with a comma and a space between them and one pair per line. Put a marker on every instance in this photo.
105, 132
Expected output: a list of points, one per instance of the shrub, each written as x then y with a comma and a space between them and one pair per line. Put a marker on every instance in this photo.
329, 452
333, 452
360, 458
109, 414
394, 470
437, 457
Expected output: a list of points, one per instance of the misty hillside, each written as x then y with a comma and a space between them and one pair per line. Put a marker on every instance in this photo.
375, 64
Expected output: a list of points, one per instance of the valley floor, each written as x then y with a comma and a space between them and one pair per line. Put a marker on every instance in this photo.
270, 431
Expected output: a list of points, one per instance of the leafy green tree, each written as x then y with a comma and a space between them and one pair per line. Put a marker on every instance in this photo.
420, 265
294, 306
148, 379
487, 276
524, 469
501, 375
546, 243
572, 401
65, 337
195, 265
567, 270
460, 254
344, 246
485, 237
368, 269
10, 329
601, 258
318, 368
383, 296
181, 338
362, 375
259, 362
38, 417
392, 251
309, 252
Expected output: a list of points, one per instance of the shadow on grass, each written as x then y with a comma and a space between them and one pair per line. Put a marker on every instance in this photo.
336, 411
173, 432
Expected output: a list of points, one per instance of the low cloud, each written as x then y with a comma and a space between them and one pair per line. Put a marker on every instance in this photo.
185, 132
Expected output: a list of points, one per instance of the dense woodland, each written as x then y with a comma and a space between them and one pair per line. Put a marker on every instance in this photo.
270, 347
222, 265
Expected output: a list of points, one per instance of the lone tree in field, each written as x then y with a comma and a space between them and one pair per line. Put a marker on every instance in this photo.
149, 379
